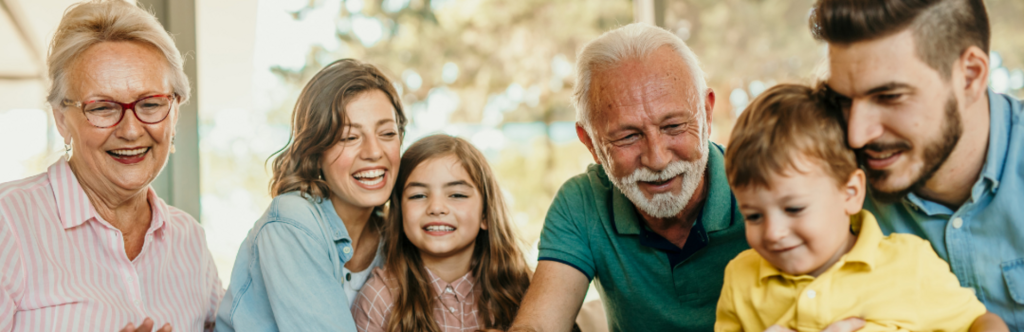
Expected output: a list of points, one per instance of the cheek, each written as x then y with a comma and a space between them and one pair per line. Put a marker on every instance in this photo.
754, 233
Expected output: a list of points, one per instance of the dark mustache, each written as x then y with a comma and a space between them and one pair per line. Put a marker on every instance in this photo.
886, 146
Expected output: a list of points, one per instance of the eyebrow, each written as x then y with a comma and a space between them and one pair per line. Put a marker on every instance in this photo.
446, 185
357, 126
889, 87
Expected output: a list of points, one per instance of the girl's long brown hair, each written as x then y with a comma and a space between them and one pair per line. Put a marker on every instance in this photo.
318, 122
498, 263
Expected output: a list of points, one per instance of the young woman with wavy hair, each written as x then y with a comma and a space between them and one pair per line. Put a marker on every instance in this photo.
453, 263
321, 236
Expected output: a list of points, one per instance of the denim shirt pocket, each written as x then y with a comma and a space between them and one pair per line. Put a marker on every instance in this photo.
1013, 274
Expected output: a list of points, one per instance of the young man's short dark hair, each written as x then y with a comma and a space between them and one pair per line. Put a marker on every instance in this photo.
943, 29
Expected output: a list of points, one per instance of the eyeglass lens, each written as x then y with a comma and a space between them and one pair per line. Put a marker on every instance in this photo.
149, 110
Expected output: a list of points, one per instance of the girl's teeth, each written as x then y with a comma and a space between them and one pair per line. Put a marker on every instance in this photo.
440, 229
370, 182
369, 174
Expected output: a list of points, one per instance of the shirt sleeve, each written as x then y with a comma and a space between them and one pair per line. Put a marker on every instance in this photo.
303, 292
12, 280
564, 238
726, 318
372, 306
944, 305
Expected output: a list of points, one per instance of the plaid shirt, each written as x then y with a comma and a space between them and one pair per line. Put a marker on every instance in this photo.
454, 304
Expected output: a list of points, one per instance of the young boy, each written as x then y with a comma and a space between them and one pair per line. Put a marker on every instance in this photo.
816, 257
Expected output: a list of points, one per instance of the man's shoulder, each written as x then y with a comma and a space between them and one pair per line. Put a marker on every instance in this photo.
586, 185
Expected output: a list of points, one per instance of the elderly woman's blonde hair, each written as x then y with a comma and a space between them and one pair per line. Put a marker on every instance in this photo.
89, 23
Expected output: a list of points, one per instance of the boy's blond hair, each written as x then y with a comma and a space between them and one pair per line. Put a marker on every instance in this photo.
784, 122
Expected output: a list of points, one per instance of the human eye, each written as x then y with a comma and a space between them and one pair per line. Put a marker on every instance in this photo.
888, 98
752, 217
100, 107
458, 195
416, 196
389, 134
626, 140
794, 209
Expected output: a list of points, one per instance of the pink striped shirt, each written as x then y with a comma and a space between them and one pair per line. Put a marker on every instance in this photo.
65, 268
454, 305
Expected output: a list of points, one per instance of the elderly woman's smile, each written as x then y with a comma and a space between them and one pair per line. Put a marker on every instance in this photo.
127, 148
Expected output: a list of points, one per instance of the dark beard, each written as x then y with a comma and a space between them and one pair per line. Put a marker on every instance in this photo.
934, 156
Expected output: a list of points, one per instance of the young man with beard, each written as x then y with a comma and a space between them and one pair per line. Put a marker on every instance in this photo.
944, 154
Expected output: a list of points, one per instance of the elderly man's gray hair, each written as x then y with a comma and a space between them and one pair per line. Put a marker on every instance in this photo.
635, 41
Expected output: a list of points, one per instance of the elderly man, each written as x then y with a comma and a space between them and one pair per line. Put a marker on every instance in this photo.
654, 222
943, 153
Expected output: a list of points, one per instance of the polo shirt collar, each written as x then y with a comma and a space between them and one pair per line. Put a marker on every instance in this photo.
74, 207
1000, 120
338, 230
715, 214
864, 252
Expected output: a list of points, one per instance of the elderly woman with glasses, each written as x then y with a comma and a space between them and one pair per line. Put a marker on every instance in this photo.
88, 246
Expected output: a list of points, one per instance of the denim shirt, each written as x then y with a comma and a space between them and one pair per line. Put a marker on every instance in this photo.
289, 273
983, 239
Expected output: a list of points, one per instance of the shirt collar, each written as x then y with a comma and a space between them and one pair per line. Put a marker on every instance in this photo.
1000, 122
863, 253
74, 207
338, 230
715, 214
463, 286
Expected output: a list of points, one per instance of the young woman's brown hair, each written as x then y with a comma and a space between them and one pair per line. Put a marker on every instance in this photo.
497, 263
318, 122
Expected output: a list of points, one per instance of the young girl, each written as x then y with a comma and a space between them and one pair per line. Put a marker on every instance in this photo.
452, 259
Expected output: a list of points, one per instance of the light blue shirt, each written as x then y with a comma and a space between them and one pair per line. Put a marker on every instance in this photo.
289, 274
983, 240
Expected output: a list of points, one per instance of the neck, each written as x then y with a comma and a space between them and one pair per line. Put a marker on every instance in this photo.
355, 218
128, 211
677, 229
951, 184
452, 267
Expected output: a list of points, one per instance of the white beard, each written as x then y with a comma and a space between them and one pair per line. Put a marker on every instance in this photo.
663, 205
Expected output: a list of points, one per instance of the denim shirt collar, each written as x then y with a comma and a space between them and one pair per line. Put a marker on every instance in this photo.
998, 141
338, 230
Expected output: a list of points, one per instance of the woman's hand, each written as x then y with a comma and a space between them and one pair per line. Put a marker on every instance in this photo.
147, 326
847, 325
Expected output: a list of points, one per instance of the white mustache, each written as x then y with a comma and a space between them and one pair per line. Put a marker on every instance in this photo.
645, 174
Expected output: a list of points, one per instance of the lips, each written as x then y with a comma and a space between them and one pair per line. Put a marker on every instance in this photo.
656, 187
880, 160
370, 178
129, 156
439, 229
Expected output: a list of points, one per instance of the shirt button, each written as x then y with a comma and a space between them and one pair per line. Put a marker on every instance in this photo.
811, 294
452, 309
347, 250
958, 222
448, 290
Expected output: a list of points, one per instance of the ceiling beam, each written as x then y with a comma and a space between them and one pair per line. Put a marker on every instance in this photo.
13, 10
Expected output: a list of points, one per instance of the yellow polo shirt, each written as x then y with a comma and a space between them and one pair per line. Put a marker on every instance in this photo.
894, 282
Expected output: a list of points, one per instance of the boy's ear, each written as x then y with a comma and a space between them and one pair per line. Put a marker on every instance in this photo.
854, 192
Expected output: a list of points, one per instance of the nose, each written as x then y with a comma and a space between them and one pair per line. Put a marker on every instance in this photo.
863, 124
775, 230
371, 150
130, 127
656, 155
436, 207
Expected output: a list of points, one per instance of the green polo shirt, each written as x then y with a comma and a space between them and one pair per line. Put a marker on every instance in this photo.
645, 284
